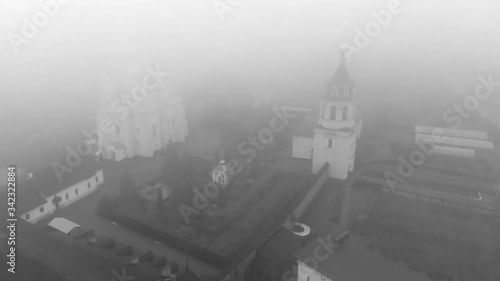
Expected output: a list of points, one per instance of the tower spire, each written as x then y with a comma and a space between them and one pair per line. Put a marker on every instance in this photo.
343, 59
334, 137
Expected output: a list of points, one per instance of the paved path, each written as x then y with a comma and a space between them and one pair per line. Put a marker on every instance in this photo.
83, 212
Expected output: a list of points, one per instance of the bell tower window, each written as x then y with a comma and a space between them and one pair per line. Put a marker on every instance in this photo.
346, 91
345, 109
333, 112
330, 143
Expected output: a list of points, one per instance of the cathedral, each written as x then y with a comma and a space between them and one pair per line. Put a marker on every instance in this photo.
333, 139
139, 126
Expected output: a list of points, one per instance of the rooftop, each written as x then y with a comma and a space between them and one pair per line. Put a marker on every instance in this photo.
280, 247
28, 197
88, 259
47, 183
355, 261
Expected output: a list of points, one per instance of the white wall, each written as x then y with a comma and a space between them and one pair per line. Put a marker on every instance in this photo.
36, 215
305, 271
338, 157
146, 142
83, 190
82, 187
127, 136
176, 113
302, 147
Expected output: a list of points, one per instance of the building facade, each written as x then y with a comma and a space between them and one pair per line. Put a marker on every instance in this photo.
224, 172
139, 127
44, 193
333, 139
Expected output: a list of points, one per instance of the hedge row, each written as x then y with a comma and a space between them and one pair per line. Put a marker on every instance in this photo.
163, 237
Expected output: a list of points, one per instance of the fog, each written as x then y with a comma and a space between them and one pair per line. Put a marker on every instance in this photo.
431, 53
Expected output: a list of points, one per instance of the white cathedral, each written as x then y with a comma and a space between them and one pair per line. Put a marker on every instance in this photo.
333, 138
142, 128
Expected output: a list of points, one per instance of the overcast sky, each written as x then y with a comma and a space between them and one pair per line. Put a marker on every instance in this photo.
431, 48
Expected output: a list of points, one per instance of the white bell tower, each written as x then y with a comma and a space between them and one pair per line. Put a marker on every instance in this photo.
335, 135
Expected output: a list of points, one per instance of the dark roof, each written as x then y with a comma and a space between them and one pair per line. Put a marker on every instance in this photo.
28, 197
188, 275
47, 183
279, 248
345, 264
341, 75
277, 220
85, 258
341, 80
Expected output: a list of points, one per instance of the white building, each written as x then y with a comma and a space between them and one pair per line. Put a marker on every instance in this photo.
454, 142
139, 127
44, 193
333, 139
224, 172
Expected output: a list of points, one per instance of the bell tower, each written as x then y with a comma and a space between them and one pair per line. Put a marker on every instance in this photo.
335, 135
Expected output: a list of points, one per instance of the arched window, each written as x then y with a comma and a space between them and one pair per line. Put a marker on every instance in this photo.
67, 196
88, 185
333, 112
42, 209
335, 91
346, 91
28, 216
345, 108
76, 191
96, 178
330, 143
